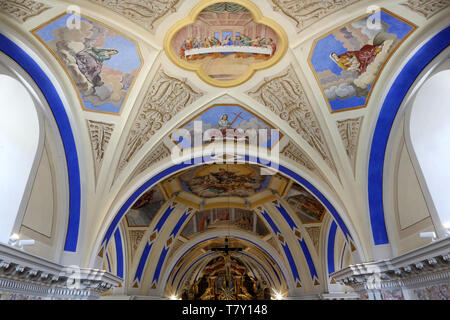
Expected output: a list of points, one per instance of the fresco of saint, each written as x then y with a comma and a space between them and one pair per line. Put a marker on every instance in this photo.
230, 123
348, 61
145, 208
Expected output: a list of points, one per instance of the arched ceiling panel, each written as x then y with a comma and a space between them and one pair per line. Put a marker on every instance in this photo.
127, 96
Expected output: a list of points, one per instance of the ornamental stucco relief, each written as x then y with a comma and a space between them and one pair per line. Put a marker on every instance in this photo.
100, 135
305, 13
349, 131
427, 8
145, 13
22, 10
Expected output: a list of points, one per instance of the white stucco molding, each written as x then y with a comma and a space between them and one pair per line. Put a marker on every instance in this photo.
26, 274
425, 266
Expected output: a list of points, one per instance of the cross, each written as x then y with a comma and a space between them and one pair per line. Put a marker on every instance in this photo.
227, 248
226, 257
237, 116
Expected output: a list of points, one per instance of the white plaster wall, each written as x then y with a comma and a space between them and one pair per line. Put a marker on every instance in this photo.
412, 207
39, 212
412, 214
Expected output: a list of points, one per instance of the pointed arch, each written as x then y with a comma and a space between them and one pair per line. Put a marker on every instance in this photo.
55, 103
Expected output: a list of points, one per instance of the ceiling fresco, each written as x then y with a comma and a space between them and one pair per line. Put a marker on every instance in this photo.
224, 180
225, 218
230, 123
225, 43
145, 208
347, 61
308, 76
101, 62
307, 208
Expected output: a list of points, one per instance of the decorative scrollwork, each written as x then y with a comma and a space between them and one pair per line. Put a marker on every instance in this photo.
349, 131
22, 10
427, 8
100, 134
305, 13
165, 97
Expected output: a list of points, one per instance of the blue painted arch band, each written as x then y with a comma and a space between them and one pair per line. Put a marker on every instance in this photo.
330, 247
388, 112
200, 160
62, 120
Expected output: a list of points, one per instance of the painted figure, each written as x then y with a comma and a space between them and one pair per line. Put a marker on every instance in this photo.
238, 41
227, 41
356, 60
273, 45
90, 62
204, 223
224, 123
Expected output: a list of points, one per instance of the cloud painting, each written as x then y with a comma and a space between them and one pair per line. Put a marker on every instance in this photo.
101, 62
348, 61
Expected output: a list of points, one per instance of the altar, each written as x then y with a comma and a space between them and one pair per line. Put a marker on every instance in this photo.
226, 278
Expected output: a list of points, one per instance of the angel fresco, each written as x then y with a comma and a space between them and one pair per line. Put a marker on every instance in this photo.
101, 62
356, 60
348, 61
90, 62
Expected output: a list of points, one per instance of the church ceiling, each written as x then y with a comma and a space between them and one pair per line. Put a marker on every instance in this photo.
136, 73
166, 96
346, 79
233, 122
101, 62
223, 198
224, 43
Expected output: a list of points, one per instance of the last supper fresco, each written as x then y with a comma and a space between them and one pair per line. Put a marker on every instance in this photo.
225, 41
